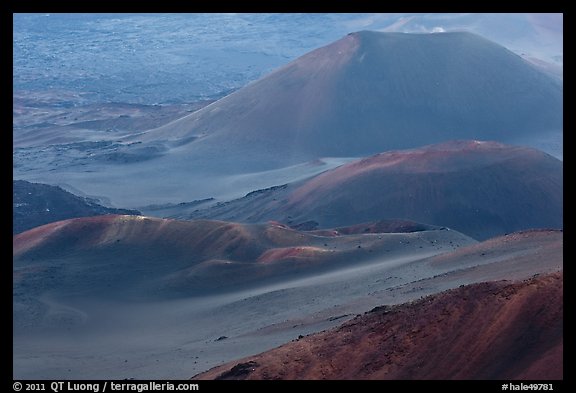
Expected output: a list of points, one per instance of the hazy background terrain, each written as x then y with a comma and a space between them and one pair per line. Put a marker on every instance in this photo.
168, 58
83, 82
326, 217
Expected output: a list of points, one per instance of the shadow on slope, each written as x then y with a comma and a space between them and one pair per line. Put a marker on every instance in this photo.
482, 189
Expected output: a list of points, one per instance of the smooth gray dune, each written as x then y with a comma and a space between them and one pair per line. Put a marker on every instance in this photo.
482, 189
366, 93
177, 338
370, 92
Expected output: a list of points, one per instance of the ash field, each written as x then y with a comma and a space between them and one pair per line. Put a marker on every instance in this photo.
288, 196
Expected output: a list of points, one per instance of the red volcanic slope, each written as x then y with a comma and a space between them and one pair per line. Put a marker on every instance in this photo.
371, 92
366, 93
107, 253
491, 330
482, 189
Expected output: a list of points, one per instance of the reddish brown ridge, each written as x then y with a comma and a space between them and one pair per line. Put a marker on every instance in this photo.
491, 330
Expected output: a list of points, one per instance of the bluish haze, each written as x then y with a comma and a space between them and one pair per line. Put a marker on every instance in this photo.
170, 58
306, 197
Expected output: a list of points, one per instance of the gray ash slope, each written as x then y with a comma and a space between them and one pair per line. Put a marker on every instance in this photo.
366, 93
370, 92
482, 189
36, 204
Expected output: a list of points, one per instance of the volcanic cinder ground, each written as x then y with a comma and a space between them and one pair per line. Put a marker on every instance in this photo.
38, 204
480, 188
366, 93
72, 310
371, 172
481, 331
